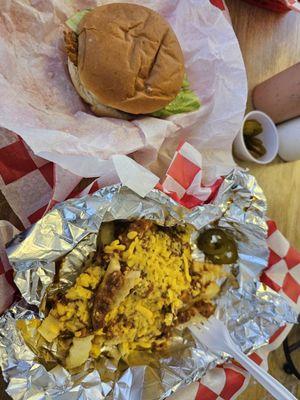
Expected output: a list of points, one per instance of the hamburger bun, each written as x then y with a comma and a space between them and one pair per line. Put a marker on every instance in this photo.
98, 108
129, 60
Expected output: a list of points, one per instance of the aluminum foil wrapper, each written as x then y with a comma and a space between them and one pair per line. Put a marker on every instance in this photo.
251, 312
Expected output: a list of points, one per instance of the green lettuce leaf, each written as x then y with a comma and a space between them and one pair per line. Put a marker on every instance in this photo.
185, 101
74, 21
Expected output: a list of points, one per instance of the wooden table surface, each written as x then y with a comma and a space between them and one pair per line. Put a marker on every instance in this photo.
269, 42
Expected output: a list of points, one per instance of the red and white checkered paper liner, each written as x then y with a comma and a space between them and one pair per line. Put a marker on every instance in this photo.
32, 186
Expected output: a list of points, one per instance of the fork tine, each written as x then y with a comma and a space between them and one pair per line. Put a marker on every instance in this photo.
196, 332
195, 329
214, 320
201, 332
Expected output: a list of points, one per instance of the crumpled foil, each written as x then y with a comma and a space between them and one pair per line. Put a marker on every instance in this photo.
251, 311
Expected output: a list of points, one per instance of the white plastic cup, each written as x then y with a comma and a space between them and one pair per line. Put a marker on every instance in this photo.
269, 138
289, 140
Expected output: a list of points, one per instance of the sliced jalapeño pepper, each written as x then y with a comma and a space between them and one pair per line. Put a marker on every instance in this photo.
218, 246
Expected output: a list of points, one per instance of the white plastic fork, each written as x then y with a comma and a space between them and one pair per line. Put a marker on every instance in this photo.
214, 335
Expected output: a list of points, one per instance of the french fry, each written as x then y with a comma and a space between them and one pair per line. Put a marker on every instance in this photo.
79, 351
50, 328
107, 232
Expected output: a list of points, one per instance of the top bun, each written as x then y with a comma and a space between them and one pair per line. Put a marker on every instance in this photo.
129, 58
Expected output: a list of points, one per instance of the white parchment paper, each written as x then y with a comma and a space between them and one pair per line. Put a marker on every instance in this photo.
39, 103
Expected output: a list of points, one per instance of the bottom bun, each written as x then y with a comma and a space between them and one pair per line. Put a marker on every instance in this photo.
98, 108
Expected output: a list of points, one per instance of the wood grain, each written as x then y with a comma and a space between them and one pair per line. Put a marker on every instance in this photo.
270, 43
281, 184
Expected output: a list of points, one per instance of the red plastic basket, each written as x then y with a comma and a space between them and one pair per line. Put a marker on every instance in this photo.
274, 5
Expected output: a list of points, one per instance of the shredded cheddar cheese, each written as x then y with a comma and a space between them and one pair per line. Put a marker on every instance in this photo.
148, 283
